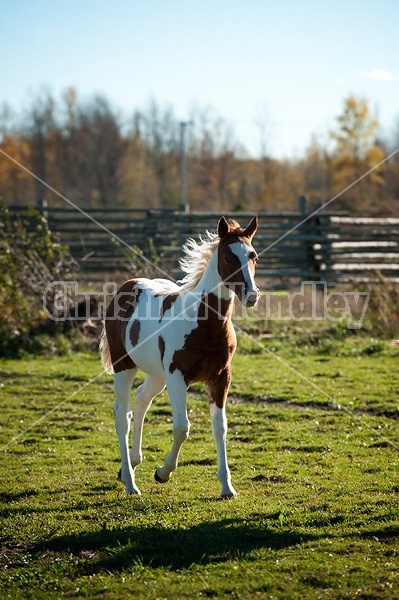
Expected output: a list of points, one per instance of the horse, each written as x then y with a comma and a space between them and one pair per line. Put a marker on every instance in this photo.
178, 335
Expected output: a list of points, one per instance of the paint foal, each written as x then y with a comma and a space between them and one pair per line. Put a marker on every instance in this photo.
178, 336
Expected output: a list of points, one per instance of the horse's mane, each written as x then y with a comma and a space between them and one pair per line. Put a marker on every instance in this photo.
198, 254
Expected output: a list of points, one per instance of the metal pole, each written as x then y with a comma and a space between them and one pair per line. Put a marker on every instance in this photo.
184, 206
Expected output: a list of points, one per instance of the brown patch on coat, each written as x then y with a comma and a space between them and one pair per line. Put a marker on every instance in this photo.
218, 387
208, 349
134, 332
161, 346
167, 304
119, 312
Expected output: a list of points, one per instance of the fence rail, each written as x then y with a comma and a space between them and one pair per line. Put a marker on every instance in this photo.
327, 246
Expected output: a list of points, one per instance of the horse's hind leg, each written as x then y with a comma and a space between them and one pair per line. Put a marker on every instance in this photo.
144, 395
123, 382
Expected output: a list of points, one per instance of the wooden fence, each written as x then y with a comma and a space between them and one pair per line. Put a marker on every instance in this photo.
327, 246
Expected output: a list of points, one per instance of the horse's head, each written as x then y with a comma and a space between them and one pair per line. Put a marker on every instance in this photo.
237, 259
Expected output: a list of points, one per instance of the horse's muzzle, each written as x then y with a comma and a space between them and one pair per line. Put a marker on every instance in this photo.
251, 297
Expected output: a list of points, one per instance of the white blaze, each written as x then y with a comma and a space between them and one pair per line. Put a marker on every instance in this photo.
242, 252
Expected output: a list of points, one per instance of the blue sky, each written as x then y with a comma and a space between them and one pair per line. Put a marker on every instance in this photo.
288, 63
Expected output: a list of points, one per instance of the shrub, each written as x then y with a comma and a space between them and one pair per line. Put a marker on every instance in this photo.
30, 259
383, 307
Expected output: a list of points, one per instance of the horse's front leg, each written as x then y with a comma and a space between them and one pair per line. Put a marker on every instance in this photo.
217, 391
123, 415
177, 390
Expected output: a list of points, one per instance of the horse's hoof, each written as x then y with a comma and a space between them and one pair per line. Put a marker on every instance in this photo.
129, 489
229, 496
158, 478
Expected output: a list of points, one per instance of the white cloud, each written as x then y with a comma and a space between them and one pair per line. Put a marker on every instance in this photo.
379, 74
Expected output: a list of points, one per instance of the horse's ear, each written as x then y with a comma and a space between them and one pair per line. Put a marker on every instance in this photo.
223, 227
251, 229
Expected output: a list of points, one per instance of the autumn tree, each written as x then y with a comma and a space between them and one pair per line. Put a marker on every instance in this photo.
356, 152
159, 131
99, 151
316, 168
69, 147
15, 184
215, 168
93, 157
392, 172
41, 135
267, 172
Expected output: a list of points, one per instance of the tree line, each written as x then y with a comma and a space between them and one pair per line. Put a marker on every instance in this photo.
97, 158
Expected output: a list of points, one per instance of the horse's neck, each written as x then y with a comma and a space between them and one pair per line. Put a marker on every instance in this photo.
211, 282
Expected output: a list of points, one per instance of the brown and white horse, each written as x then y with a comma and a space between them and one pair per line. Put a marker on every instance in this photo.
179, 335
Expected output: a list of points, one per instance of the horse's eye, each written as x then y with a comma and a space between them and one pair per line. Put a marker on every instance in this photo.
227, 259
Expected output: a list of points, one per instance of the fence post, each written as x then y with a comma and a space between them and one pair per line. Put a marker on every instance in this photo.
302, 204
317, 243
151, 231
42, 206
323, 258
307, 244
314, 247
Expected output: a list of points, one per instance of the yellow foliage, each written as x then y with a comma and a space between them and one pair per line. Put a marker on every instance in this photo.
14, 180
356, 153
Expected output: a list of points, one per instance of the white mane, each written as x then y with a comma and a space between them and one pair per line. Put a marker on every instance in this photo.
197, 258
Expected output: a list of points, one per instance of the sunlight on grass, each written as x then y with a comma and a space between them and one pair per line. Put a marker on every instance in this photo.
317, 513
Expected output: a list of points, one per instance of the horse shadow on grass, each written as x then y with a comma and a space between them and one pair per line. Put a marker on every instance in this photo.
176, 548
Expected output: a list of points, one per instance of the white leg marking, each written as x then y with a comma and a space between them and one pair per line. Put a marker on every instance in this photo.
144, 395
177, 391
123, 384
219, 428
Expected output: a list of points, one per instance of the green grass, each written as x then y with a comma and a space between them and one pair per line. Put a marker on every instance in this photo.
315, 462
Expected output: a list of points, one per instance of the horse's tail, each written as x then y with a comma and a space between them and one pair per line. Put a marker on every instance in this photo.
105, 353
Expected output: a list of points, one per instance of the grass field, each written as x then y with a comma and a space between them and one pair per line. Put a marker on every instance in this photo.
313, 450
